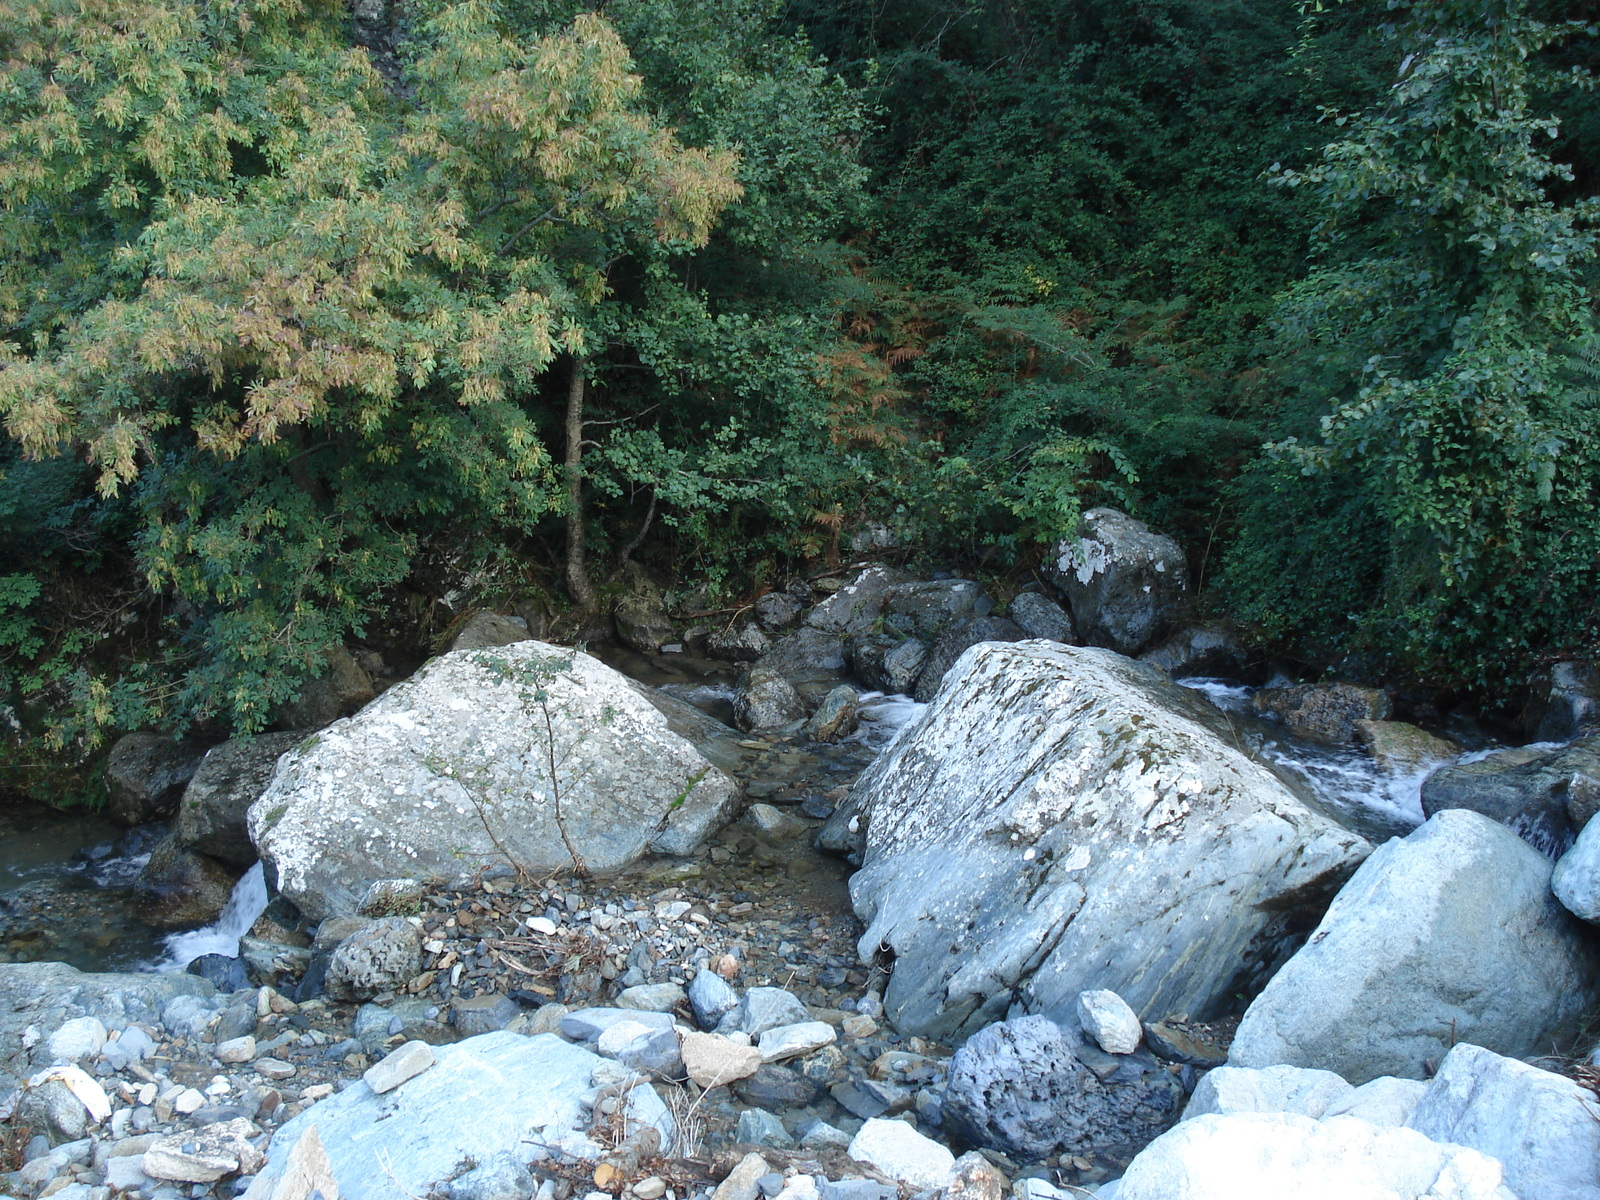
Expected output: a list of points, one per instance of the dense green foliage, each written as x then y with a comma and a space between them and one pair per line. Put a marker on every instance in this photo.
298, 302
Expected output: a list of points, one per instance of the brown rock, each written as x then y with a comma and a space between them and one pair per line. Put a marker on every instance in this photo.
145, 776
180, 889
1402, 748
1324, 712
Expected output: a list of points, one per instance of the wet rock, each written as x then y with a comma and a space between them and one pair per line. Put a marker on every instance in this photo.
1324, 712
1091, 779
205, 1155
145, 776
179, 889
805, 652
888, 664
924, 610
487, 630
642, 622
1038, 616
1018, 1087
1402, 749
1106, 1017
406, 788
903, 1154
1200, 650
1526, 789
959, 637
1285, 1154
227, 974
1570, 705
341, 690
766, 700
230, 778
1417, 953
835, 718
1542, 1128
1121, 580
743, 641
383, 956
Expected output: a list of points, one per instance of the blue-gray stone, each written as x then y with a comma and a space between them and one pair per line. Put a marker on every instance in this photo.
498, 1092
711, 998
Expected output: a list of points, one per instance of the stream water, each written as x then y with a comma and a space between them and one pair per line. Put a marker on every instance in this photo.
65, 878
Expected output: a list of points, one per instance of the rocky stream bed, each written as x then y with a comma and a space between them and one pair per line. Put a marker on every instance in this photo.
957, 885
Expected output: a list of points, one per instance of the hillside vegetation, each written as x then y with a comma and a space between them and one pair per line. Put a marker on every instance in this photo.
312, 316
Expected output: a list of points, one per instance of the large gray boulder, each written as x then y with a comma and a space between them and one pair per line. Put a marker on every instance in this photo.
1450, 934
454, 767
491, 1094
1063, 819
1121, 579
1250, 1155
855, 608
212, 814
922, 610
1543, 1128
1531, 789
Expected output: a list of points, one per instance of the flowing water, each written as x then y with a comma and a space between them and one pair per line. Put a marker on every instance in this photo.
66, 889
1343, 780
249, 901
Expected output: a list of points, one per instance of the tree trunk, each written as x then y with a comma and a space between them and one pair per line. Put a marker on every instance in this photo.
579, 585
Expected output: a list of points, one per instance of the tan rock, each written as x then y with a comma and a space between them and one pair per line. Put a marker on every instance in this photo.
743, 1182
712, 1060
1403, 748
205, 1155
308, 1171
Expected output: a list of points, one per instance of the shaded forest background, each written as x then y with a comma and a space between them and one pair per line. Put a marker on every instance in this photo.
300, 303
